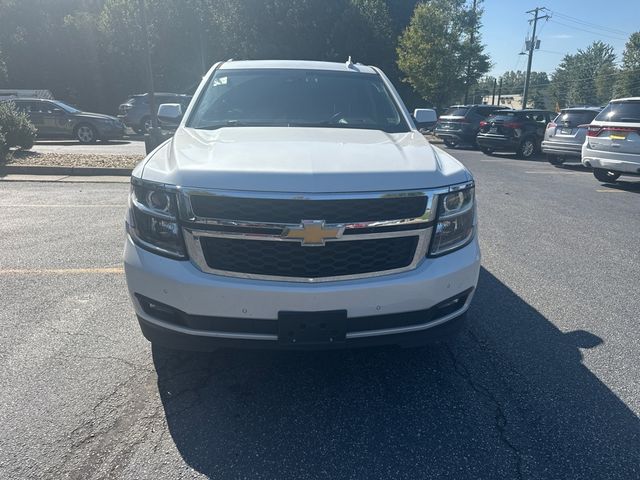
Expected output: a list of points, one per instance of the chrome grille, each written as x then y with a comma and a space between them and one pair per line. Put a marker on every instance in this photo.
244, 234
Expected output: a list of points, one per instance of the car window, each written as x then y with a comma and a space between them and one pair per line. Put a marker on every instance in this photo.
456, 112
292, 97
507, 116
628, 111
540, 118
573, 118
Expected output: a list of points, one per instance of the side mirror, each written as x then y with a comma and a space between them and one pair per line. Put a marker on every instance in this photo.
425, 115
170, 114
57, 111
425, 119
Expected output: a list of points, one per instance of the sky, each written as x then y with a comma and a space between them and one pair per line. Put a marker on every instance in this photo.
576, 24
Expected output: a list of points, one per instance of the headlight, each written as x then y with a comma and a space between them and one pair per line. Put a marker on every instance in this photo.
152, 221
456, 220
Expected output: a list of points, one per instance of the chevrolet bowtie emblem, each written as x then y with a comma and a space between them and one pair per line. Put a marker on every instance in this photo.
314, 233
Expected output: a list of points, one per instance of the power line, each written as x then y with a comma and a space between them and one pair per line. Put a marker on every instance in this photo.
588, 31
589, 24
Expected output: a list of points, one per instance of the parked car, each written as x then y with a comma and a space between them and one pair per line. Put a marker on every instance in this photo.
566, 133
519, 131
135, 113
460, 123
54, 119
612, 147
325, 221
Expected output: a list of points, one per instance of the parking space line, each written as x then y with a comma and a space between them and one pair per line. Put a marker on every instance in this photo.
611, 190
552, 172
61, 271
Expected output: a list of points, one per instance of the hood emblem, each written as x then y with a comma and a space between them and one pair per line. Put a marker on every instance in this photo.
313, 233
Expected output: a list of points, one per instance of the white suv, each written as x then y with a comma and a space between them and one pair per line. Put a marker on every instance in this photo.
612, 146
297, 206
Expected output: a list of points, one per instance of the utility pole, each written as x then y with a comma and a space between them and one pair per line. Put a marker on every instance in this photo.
533, 44
154, 134
493, 96
471, 39
500, 91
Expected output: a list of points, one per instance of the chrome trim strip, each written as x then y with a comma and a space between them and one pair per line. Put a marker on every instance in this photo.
208, 333
196, 255
279, 238
412, 328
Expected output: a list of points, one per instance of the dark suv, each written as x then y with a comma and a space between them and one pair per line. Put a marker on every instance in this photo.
519, 131
136, 111
460, 123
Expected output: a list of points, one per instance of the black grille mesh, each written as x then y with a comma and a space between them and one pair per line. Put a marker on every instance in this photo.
294, 211
290, 259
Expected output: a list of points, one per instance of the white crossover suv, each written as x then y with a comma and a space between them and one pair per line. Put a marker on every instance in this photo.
297, 206
612, 147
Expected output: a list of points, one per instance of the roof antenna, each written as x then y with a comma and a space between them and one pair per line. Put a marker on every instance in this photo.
349, 63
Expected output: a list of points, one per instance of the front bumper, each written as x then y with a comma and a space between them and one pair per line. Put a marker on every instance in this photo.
562, 149
628, 163
388, 309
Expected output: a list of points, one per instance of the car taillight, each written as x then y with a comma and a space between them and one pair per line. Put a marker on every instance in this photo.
513, 125
483, 123
551, 125
593, 131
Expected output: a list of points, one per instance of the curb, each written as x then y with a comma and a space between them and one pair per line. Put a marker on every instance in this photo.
55, 170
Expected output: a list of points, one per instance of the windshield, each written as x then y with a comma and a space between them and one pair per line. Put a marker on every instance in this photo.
456, 112
296, 98
573, 118
65, 107
621, 112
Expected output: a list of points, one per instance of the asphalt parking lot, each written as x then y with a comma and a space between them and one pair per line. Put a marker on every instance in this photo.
543, 384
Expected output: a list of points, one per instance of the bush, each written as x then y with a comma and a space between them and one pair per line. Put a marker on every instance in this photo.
15, 127
3, 147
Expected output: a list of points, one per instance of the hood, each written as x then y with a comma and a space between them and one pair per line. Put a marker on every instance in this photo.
94, 116
306, 160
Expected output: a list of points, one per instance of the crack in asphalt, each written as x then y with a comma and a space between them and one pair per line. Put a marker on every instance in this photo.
500, 417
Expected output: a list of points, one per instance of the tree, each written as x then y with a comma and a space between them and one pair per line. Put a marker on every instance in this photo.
586, 77
628, 81
434, 52
3, 71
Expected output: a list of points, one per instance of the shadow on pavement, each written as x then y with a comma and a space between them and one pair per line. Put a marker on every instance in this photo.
627, 186
509, 398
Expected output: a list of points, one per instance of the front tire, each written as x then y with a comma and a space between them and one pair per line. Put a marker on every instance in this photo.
555, 160
145, 125
606, 176
86, 134
526, 149
450, 143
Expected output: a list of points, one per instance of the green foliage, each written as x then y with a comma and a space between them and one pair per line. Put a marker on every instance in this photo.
92, 52
15, 128
3, 71
628, 81
436, 54
586, 77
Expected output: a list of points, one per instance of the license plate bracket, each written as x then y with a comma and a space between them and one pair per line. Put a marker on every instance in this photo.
312, 328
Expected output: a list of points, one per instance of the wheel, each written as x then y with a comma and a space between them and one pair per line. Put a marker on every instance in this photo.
85, 133
555, 160
486, 150
450, 143
526, 149
145, 125
605, 175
